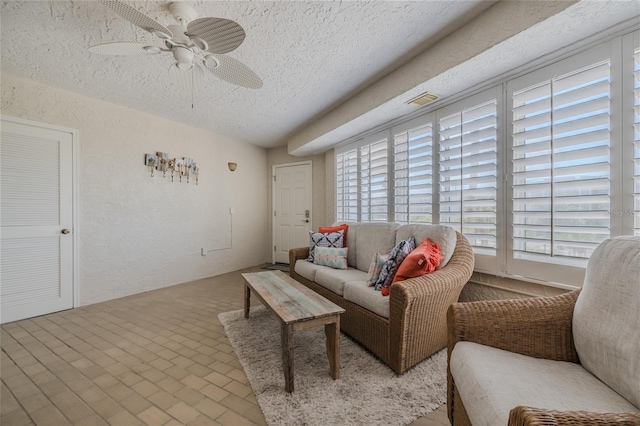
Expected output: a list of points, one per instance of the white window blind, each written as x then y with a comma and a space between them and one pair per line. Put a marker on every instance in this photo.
636, 141
413, 165
347, 186
374, 181
468, 174
561, 157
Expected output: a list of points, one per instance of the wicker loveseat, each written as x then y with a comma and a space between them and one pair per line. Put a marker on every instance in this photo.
412, 325
572, 359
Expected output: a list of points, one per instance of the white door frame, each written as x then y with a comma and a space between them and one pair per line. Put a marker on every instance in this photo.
75, 149
273, 199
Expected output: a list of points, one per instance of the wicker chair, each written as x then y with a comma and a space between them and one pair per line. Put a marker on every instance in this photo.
416, 328
544, 327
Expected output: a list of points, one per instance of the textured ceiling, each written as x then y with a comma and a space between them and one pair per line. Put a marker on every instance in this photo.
311, 56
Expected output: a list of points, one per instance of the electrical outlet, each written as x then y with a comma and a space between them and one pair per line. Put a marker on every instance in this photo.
204, 251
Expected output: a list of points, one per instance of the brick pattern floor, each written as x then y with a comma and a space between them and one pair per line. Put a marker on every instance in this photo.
156, 358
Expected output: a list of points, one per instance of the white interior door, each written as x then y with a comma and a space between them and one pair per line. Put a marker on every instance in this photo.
36, 196
291, 209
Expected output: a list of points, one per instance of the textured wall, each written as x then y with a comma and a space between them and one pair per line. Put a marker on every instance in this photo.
279, 155
139, 233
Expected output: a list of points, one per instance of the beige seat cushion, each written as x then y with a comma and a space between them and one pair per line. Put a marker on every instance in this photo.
334, 279
444, 236
606, 319
307, 269
491, 382
361, 294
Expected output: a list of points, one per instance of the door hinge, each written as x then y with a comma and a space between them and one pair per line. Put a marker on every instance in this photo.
274, 248
274, 178
274, 212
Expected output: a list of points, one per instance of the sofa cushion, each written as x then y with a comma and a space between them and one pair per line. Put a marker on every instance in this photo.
316, 239
444, 236
361, 294
342, 227
307, 269
423, 260
396, 257
606, 316
377, 263
372, 238
350, 241
491, 382
334, 279
333, 257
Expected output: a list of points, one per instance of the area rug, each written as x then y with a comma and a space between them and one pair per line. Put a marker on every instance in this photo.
368, 392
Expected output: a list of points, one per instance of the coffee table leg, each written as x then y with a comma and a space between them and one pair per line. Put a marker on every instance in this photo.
247, 300
287, 356
333, 347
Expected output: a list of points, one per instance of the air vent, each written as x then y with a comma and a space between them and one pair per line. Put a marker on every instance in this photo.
422, 99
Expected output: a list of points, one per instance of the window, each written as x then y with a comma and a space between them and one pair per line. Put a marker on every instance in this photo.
535, 172
468, 171
413, 178
373, 181
347, 186
561, 155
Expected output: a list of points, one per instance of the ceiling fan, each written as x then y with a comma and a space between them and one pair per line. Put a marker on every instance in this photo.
196, 45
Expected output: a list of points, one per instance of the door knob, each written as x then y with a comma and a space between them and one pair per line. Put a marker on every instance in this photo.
66, 231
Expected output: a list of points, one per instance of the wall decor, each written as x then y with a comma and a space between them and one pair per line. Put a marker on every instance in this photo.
184, 167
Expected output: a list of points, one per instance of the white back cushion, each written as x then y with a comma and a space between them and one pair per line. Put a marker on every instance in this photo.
372, 238
606, 319
350, 242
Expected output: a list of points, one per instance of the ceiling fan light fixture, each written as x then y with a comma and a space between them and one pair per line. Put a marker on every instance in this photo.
199, 43
211, 62
184, 58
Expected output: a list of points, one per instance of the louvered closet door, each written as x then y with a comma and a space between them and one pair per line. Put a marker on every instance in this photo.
36, 257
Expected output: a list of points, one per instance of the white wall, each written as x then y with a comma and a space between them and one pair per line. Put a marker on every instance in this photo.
139, 233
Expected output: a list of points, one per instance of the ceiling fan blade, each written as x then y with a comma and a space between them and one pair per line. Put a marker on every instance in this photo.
222, 35
232, 71
124, 48
137, 18
187, 80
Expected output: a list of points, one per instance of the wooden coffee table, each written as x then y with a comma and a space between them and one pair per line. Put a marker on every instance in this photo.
297, 308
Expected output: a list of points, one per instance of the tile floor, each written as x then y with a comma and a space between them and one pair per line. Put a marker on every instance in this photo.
156, 358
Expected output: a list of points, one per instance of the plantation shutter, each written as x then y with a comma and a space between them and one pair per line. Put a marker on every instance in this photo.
636, 142
347, 186
413, 165
468, 174
374, 182
561, 139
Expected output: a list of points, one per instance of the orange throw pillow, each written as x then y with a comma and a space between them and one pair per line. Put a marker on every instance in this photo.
423, 260
344, 227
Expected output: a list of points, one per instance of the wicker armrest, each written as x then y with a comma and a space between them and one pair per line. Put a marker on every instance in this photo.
528, 416
539, 326
418, 307
297, 254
